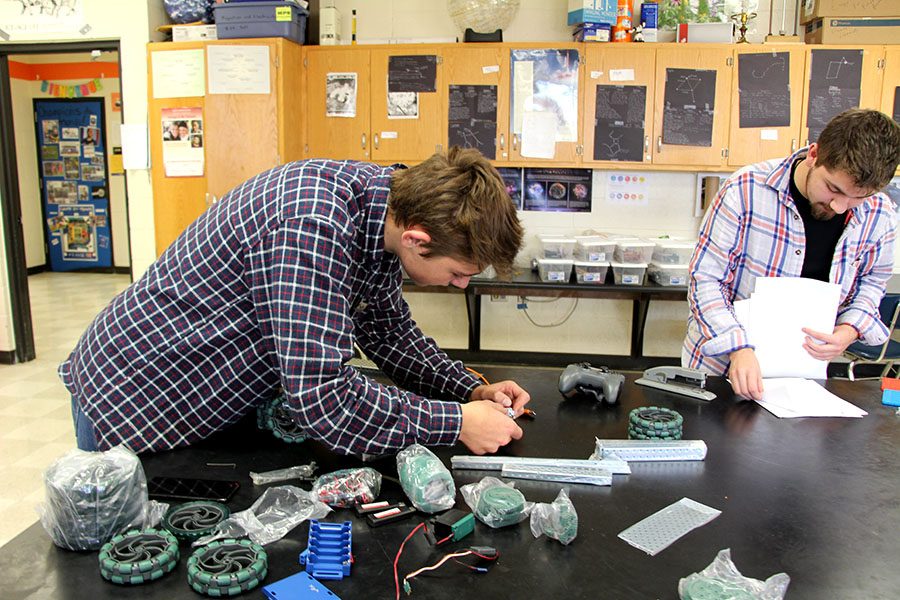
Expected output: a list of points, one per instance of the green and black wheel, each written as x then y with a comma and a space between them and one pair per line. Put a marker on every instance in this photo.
654, 423
283, 425
499, 506
138, 556
192, 520
702, 588
227, 567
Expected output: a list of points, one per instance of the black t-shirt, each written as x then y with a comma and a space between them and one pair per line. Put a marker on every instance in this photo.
821, 236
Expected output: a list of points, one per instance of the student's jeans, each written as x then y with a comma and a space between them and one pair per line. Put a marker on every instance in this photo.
84, 429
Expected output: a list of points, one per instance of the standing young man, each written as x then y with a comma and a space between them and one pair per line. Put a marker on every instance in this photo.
272, 286
815, 214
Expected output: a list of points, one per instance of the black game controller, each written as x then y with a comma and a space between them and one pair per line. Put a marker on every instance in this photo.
583, 379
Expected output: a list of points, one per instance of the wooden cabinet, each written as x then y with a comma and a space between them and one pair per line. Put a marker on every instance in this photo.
371, 133
890, 89
617, 65
243, 134
756, 65
479, 64
676, 61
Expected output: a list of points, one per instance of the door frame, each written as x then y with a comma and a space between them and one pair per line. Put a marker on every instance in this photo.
10, 207
106, 152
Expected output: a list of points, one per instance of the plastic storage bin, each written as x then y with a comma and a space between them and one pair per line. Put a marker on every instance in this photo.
555, 269
593, 249
260, 19
669, 252
590, 272
555, 246
633, 251
668, 274
629, 273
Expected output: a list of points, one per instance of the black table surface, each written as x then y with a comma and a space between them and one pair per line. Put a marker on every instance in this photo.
817, 498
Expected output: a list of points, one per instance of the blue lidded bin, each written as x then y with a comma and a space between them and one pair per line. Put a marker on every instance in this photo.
261, 19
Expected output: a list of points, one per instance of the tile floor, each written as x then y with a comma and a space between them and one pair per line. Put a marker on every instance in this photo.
35, 410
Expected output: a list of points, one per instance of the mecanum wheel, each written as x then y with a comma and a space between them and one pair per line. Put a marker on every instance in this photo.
227, 567
138, 556
191, 520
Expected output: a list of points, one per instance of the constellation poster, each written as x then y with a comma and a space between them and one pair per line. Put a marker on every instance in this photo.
472, 121
833, 87
690, 104
764, 89
619, 122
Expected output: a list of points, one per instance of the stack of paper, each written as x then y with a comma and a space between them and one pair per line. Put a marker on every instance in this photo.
774, 317
788, 398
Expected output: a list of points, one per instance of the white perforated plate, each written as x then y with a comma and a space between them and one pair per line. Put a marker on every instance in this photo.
658, 531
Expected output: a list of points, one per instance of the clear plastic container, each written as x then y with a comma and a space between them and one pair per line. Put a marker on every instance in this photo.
633, 251
555, 269
590, 272
670, 252
628, 273
593, 249
555, 246
668, 275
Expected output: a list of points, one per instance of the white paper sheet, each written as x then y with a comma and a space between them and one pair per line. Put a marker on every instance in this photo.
539, 135
178, 73
135, 146
238, 69
788, 398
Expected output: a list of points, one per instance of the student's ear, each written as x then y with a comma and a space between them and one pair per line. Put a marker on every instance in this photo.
812, 154
415, 237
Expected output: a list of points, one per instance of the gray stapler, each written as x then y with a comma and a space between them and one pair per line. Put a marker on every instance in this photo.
678, 380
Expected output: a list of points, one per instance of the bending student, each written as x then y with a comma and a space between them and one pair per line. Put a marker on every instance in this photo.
271, 287
814, 214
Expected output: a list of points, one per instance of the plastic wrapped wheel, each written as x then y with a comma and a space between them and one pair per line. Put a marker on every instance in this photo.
138, 556
227, 567
191, 520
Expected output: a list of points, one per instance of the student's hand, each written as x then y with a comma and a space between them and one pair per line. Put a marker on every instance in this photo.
508, 394
744, 373
824, 346
486, 427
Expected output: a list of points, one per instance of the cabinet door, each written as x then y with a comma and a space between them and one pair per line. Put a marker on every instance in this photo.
547, 79
337, 88
620, 80
830, 84
479, 65
404, 129
766, 103
890, 89
687, 132
241, 129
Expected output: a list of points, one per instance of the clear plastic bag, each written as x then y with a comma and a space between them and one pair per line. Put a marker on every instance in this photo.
348, 487
425, 479
92, 496
271, 517
297, 472
557, 520
496, 503
721, 579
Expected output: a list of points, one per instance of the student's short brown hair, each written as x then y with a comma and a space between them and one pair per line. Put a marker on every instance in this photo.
865, 144
461, 201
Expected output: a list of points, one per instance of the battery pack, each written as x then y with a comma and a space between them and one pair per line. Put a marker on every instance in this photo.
391, 514
452, 526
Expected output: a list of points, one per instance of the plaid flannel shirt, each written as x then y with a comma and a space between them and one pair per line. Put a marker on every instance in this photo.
752, 230
271, 286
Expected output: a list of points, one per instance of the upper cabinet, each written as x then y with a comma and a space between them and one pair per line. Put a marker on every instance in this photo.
243, 130
766, 103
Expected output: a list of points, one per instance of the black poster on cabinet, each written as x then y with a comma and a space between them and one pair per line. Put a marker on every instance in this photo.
472, 120
512, 177
896, 113
412, 73
560, 190
619, 122
690, 103
833, 87
764, 89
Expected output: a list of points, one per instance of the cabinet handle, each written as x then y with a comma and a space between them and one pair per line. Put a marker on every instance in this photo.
793, 144
806, 143
659, 144
363, 141
503, 141
375, 140
210, 199
647, 146
515, 141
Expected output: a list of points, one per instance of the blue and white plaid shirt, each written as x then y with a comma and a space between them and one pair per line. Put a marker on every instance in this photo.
752, 230
271, 286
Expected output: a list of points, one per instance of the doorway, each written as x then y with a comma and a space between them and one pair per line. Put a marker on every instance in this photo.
12, 192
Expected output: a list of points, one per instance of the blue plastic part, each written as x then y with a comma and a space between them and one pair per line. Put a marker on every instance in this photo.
328, 554
890, 397
299, 586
